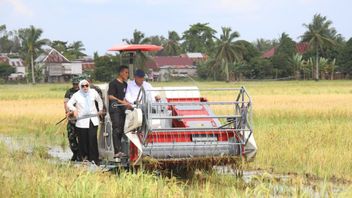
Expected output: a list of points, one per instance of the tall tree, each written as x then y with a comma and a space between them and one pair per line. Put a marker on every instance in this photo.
344, 59
141, 58
319, 34
199, 38
172, 46
60, 46
226, 50
75, 49
32, 44
263, 45
138, 38
2, 29
283, 53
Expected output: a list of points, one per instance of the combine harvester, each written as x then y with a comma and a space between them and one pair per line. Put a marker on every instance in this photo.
187, 127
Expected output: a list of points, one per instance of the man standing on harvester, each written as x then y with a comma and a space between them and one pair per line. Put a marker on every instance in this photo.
117, 107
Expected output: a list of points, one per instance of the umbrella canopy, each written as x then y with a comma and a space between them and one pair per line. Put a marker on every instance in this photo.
134, 47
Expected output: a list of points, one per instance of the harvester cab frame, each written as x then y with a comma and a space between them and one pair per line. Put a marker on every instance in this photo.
188, 126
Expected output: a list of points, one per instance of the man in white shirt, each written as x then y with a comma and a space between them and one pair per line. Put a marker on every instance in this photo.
135, 85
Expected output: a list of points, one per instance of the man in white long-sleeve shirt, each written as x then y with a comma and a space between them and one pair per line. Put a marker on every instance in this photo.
134, 86
82, 104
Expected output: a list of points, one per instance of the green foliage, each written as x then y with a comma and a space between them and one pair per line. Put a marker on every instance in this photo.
199, 38
5, 70
249, 51
172, 46
71, 51
283, 53
263, 45
319, 35
138, 38
32, 45
227, 51
344, 60
259, 68
106, 68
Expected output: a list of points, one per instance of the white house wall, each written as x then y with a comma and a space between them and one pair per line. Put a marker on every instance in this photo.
20, 69
72, 68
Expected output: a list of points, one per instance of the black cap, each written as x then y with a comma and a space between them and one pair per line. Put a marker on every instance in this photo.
139, 73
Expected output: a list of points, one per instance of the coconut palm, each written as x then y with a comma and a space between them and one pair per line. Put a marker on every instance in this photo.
172, 46
319, 34
227, 50
2, 28
76, 48
199, 38
32, 44
138, 38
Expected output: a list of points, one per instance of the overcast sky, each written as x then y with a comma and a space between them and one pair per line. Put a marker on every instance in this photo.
100, 24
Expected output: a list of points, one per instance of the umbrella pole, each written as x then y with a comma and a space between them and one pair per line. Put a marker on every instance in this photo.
130, 66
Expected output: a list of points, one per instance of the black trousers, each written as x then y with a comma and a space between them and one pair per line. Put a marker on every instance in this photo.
118, 124
88, 143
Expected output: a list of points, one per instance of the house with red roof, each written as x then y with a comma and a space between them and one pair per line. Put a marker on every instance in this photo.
171, 66
301, 48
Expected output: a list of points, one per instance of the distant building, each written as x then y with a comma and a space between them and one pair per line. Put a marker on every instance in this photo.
56, 67
171, 66
176, 71
301, 48
195, 56
17, 64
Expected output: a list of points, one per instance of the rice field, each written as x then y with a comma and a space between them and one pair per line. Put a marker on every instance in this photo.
302, 128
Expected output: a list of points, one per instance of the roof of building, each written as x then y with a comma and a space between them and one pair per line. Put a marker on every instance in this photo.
159, 61
269, 53
51, 56
4, 59
16, 62
301, 48
194, 55
178, 67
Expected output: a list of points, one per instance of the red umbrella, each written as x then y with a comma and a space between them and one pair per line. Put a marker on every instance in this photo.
136, 47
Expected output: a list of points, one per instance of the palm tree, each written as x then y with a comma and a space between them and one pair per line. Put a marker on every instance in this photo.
60, 46
76, 49
319, 34
141, 58
32, 44
263, 45
138, 38
199, 38
228, 51
172, 46
2, 28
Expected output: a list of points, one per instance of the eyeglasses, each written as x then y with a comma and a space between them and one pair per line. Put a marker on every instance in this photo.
84, 85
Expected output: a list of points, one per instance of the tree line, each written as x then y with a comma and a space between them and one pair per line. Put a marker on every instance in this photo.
228, 57
27, 43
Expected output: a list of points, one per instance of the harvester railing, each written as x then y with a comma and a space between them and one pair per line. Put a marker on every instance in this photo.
191, 122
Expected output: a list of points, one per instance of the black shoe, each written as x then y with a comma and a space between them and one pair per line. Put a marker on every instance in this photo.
74, 157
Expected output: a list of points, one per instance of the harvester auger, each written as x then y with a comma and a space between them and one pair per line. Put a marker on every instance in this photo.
188, 127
